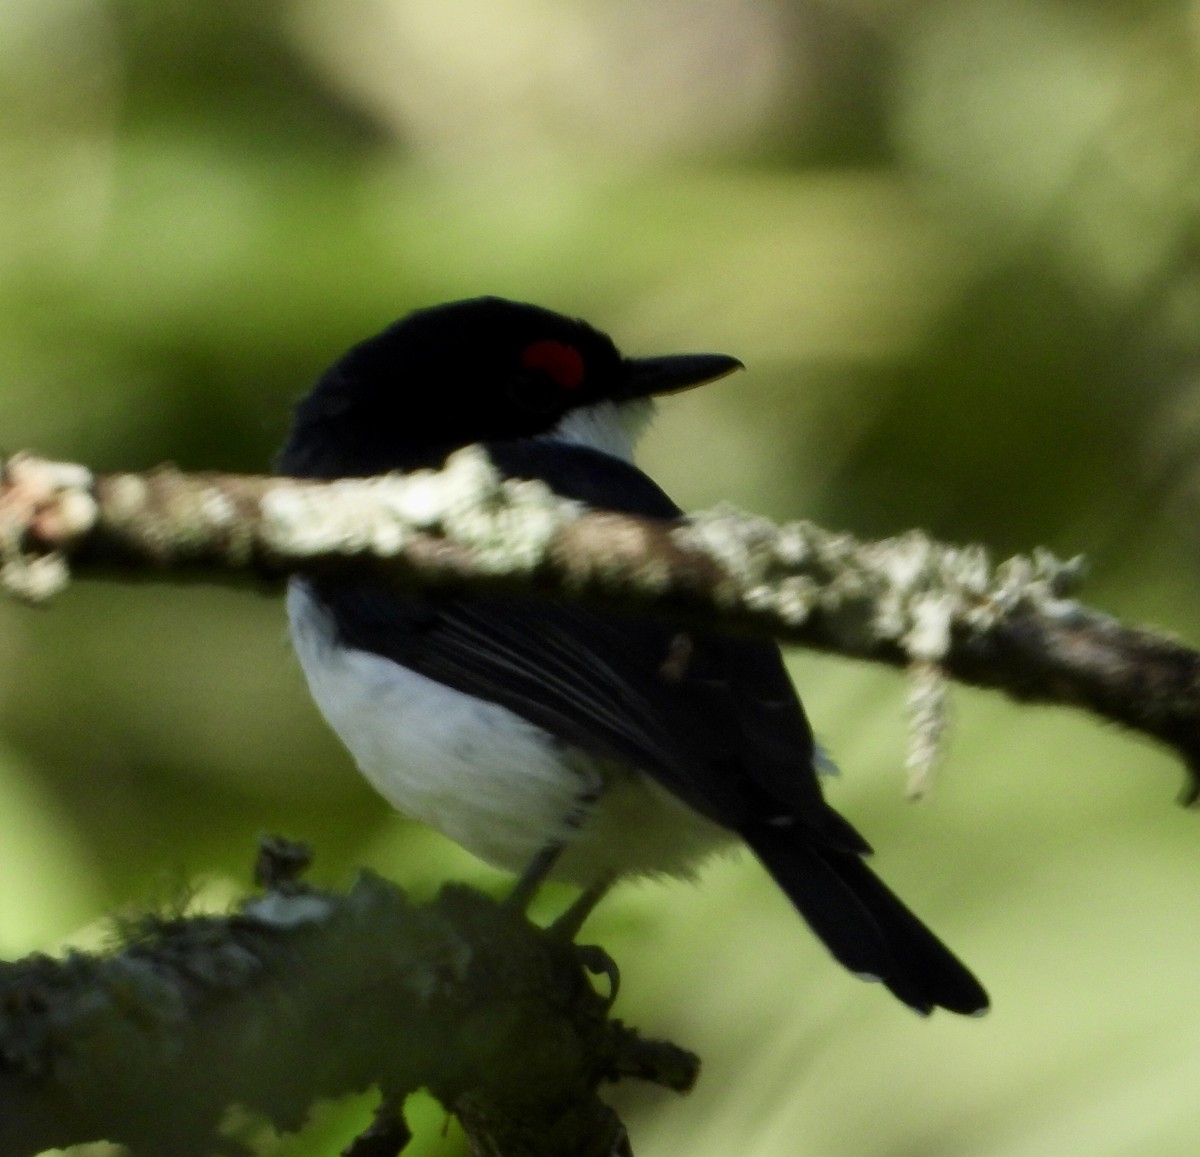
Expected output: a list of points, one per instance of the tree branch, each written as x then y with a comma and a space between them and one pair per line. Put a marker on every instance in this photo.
910, 602
463, 996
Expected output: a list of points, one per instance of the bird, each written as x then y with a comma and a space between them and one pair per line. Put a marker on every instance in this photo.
555, 740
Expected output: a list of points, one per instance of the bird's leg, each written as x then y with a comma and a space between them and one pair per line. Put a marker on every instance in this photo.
533, 877
591, 956
540, 867
568, 924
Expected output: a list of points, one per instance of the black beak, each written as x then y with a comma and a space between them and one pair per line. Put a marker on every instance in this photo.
648, 376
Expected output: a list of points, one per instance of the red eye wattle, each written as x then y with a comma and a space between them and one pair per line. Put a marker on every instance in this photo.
564, 363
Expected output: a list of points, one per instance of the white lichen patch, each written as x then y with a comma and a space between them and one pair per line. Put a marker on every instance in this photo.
931, 616
968, 568
507, 525
908, 590
125, 497
34, 579
52, 501
744, 545
74, 515
288, 911
793, 546
905, 563
796, 598
430, 498
928, 712
513, 532
217, 508
46, 505
45, 477
346, 517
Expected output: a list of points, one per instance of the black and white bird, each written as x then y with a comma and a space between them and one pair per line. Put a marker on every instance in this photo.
591, 744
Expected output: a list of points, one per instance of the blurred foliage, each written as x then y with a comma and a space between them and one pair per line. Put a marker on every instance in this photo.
956, 242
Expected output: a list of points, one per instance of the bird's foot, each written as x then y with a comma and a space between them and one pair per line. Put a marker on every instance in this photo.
599, 963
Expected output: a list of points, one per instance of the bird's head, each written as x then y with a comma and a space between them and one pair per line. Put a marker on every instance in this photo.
469, 371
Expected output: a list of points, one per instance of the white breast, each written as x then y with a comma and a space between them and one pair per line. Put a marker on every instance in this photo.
496, 784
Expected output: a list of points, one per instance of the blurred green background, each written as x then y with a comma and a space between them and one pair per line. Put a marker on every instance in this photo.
957, 244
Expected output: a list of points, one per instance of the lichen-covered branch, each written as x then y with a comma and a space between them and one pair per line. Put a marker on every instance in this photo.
936, 610
304, 994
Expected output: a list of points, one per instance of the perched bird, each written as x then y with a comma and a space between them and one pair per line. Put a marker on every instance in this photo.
554, 738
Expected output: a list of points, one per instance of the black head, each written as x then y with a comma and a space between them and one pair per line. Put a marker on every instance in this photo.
470, 371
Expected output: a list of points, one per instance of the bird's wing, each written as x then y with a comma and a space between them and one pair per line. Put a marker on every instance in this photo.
713, 718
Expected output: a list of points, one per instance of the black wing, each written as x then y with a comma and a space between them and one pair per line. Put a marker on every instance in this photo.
713, 718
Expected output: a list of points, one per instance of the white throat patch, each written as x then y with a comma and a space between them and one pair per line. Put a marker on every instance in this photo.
610, 427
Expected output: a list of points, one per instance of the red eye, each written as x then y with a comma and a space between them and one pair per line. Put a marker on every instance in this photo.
564, 363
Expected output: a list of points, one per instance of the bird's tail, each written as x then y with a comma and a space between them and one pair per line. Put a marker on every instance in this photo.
864, 924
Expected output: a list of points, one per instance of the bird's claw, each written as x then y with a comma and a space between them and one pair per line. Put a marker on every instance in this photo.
599, 963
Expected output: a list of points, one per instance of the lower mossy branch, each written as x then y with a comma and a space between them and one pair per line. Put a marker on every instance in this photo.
303, 995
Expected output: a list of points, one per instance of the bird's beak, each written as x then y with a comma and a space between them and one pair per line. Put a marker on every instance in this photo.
649, 376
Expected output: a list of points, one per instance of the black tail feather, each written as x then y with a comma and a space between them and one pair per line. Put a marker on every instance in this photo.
864, 924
